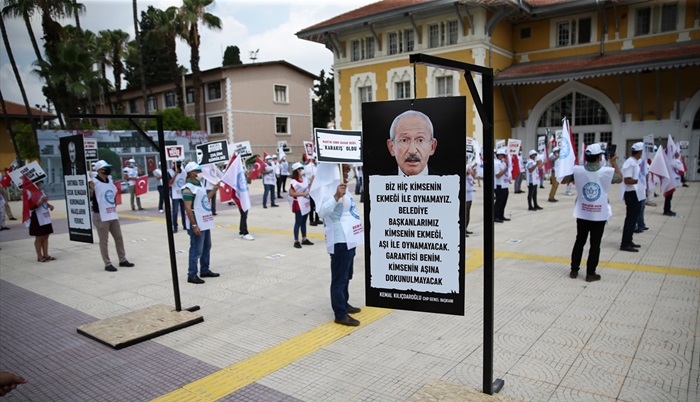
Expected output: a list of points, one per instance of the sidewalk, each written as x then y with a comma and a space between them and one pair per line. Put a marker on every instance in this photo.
268, 333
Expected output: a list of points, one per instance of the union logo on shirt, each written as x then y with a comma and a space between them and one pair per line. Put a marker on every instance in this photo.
205, 204
109, 197
591, 191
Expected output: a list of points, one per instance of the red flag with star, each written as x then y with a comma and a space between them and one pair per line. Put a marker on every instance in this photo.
141, 186
258, 167
225, 192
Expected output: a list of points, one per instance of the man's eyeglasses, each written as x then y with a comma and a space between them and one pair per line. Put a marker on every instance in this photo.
420, 142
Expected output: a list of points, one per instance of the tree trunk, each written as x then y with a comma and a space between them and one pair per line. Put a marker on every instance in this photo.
105, 88
8, 124
175, 75
196, 73
139, 47
15, 70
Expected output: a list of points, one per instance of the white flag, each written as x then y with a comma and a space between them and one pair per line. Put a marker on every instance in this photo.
326, 182
658, 165
234, 176
674, 179
567, 157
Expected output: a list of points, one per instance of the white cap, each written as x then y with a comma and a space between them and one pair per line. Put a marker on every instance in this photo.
594, 149
268, 157
101, 164
533, 152
637, 146
501, 151
131, 160
192, 166
556, 149
297, 165
274, 155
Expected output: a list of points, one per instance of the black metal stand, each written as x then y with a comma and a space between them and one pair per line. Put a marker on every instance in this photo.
485, 109
160, 147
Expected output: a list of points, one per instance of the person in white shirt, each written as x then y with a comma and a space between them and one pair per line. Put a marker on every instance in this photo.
310, 175
470, 174
532, 172
630, 177
282, 178
158, 174
178, 178
131, 173
300, 203
677, 166
501, 182
553, 156
269, 180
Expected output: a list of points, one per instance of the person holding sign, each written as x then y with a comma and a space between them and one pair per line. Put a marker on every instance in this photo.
591, 210
533, 179
105, 218
200, 221
502, 182
411, 142
178, 177
344, 232
131, 173
269, 180
40, 222
300, 202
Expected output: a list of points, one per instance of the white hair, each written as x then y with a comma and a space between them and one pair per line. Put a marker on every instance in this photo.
407, 113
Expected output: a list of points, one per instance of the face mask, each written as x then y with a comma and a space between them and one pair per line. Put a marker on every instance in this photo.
107, 171
199, 177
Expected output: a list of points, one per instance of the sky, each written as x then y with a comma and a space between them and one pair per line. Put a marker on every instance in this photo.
267, 25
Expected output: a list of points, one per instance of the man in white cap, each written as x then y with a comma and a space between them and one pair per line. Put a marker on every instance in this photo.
178, 178
200, 221
553, 156
131, 173
533, 179
591, 210
104, 217
630, 177
501, 183
284, 174
269, 181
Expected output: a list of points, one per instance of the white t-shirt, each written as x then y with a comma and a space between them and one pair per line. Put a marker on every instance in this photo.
630, 169
157, 172
533, 178
498, 166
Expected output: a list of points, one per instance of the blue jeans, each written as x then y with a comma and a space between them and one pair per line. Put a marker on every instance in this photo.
181, 204
640, 221
341, 273
299, 223
200, 246
269, 188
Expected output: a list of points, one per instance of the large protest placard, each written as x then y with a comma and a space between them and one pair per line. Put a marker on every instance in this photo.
243, 149
338, 146
212, 152
413, 156
174, 152
77, 188
513, 146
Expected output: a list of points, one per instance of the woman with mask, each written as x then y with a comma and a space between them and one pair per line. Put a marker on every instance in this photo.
300, 203
40, 226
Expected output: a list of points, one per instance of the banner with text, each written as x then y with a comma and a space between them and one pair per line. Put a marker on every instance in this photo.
174, 152
212, 152
32, 170
414, 204
338, 146
77, 188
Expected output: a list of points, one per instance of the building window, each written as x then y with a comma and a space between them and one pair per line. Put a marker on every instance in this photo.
444, 86
355, 50
669, 16
152, 103
574, 32
588, 138
409, 39
169, 98
282, 125
281, 94
132, 106
362, 49
214, 91
403, 90
606, 137
369, 48
216, 125
642, 21
434, 35
393, 43
190, 95
452, 32
525, 33
365, 94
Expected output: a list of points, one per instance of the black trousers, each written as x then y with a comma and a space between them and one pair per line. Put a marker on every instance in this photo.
583, 229
532, 196
500, 200
243, 226
632, 204
667, 203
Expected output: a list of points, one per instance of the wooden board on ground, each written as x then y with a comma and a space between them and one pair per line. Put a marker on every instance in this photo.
138, 326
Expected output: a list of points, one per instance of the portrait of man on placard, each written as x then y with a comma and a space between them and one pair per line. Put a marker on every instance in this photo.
411, 142
72, 156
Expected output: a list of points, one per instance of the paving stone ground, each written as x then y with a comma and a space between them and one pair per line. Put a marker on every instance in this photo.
633, 336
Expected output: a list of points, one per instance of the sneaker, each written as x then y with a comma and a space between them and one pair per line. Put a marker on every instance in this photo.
531, 209
573, 274
592, 278
142, 209
274, 206
161, 211
538, 207
110, 268
306, 242
297, 244
468, 232
553, 200
13, 218
651, 204
353, 310
126, 263
247, 237
174, 230
347, 320
195, 279
313, 224
629, 248
209, 274
264, 206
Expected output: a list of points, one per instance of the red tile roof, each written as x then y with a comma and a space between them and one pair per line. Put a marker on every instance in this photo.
628, 61
17, 109
370, 9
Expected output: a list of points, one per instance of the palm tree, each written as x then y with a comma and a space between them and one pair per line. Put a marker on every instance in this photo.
24, 9
102, 58
167, 25
192, 13
117, 40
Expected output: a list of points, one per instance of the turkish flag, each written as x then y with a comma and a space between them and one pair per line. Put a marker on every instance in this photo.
30, 197
6, 180
141, 185
118, 196
151, 163
258, 167
515, 166
225, 192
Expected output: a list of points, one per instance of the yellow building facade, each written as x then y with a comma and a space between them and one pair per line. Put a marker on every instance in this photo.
619, 70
